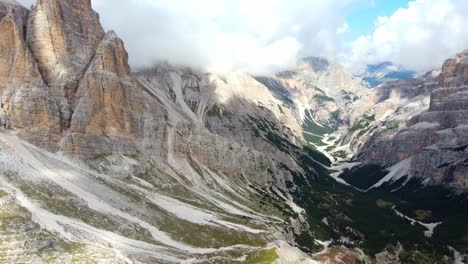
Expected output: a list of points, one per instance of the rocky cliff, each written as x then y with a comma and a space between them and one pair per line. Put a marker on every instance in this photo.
60, 69
172, 165
137, 162
25, 100
93, 106
433, 140
321, 92
419, 121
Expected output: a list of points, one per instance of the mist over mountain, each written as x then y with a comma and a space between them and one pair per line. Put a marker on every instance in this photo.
376, 74
260, 37
273, 157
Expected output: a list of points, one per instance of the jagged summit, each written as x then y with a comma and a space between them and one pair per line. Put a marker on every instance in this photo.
170, 165
54, 27
152, 161
65, 48
316, 63
420, 123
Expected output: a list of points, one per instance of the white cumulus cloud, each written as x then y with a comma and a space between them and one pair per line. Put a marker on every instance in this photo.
250, 35
419, 37
262, 36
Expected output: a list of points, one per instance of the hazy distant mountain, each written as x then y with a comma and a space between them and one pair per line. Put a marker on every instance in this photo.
376, 74
171, 165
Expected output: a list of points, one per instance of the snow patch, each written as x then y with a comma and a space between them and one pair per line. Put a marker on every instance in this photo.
340, 168
430, 227
328, 143
195, 215
292, 255
325, 244
458, 257
77, 231
396, 172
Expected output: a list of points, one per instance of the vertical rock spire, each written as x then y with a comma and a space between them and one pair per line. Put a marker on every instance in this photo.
24, 100
63, 36
63, 82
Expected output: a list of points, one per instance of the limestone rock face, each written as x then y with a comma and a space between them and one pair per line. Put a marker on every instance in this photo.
72, 86
225, 122
63, 37
384, 110
108, 107
323, 94
449, 92
65, 85
321, 86
25, 104
436, 139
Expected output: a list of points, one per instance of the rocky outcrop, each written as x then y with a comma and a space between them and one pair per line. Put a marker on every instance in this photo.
63, 37
231, 124
25, 104
449, 91
109, 106
321, 92
436, 139
66, 85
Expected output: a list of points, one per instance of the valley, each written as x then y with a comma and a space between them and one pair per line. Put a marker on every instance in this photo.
100, 163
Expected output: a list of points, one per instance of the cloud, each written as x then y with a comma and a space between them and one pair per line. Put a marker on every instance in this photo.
250, 35
263, 36
343, 29
419, 37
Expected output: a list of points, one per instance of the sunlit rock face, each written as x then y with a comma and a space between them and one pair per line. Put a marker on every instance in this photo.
325, 87
63, 37
25, 102
435, 139
65, 84
449, 89
109, 108
136, 162
224, 122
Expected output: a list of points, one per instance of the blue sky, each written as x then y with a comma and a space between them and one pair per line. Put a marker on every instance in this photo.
361, 17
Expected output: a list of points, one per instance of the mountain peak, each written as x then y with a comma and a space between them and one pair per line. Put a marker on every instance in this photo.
317, 64
172, 165
63, 36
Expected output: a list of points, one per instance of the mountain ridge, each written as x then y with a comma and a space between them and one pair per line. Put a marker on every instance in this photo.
173, 165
